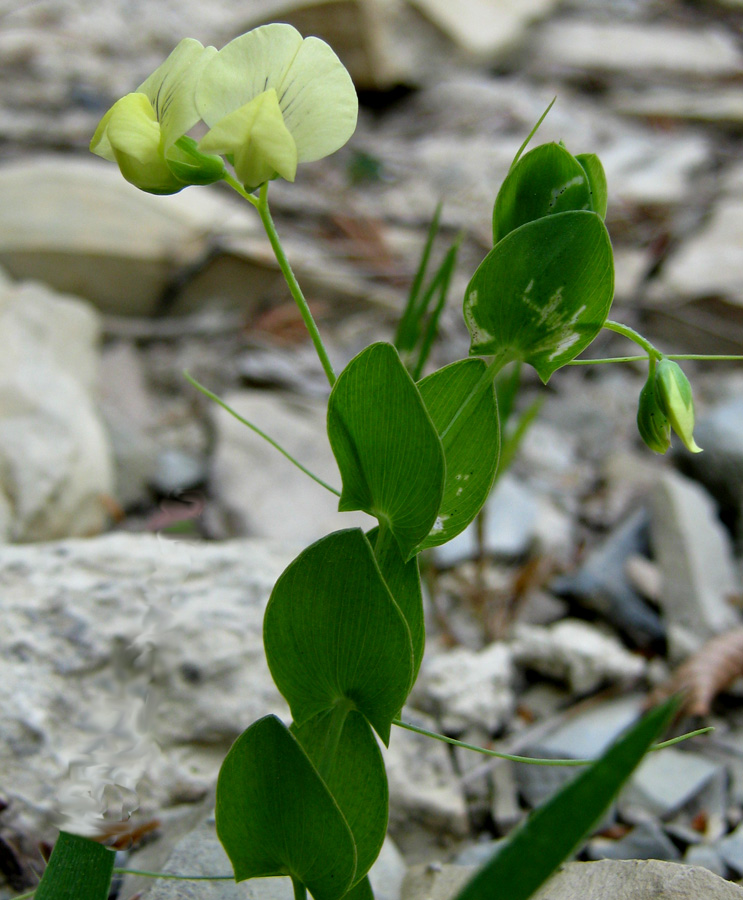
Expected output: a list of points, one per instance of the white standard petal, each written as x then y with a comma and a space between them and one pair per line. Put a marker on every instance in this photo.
171, 88
246, 67
318, 101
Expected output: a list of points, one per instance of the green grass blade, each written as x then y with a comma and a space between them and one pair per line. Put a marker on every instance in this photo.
532, 133
79, 869
556, 829
440, 284
408, 327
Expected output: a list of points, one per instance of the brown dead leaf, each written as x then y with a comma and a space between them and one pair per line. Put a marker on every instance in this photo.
705, 674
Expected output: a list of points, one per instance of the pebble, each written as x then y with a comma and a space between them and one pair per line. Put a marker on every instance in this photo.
709, 262
730, 849
576, 652
637, 49
601, 583
694, 554
462, 688
667, 781
511, 523
720, 431
647, 840
427, 804
262, 492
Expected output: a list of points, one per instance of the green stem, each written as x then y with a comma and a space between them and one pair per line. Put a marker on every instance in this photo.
300, 891
261, 204
486, 379
530, 759
624, 359
271, 441
168, 875
633, 335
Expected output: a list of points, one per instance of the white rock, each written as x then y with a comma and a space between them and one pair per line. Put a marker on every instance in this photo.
425, 793
55, 462
462, 688
665, 782
609, 879
576, 652
623, 46
263, 493
92, 628
653, 170
130, 419
485, 28
722, 106
694, 554
708, 263
78, 226
511, 521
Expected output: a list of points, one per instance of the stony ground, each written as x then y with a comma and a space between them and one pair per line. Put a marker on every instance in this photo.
605, 565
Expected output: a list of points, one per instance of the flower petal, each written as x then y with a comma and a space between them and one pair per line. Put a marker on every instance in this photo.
318, 100
133, 135
244, 68
316, 94
257, 136
171, 88
99, 143
133, 129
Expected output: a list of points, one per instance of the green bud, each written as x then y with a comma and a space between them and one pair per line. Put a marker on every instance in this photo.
652, 423
674, 398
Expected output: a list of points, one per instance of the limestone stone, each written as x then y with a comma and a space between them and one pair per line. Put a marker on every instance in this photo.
485, 28
723, 106
710, 262
262, 492
576, 652
55, 460
426, 798
135, 658
581, 44
78, 226
665, 783
462, 688
608, 879
694, 554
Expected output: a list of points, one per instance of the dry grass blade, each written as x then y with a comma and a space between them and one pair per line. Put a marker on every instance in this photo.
705, 674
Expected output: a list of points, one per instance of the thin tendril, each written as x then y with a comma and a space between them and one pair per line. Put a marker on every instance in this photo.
530, 760
271, 441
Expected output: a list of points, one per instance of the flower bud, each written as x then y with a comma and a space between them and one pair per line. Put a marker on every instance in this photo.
674, 398
652, 423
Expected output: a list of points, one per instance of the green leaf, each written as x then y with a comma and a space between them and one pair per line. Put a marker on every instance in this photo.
386, 446
471, 445
275, 816
404, 583
351, 765
79, 869
362, 891
556, 829
543, 293
596, 182
545, 181
332, 632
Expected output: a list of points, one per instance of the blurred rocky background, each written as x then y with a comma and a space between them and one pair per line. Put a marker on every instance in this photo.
143, 527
